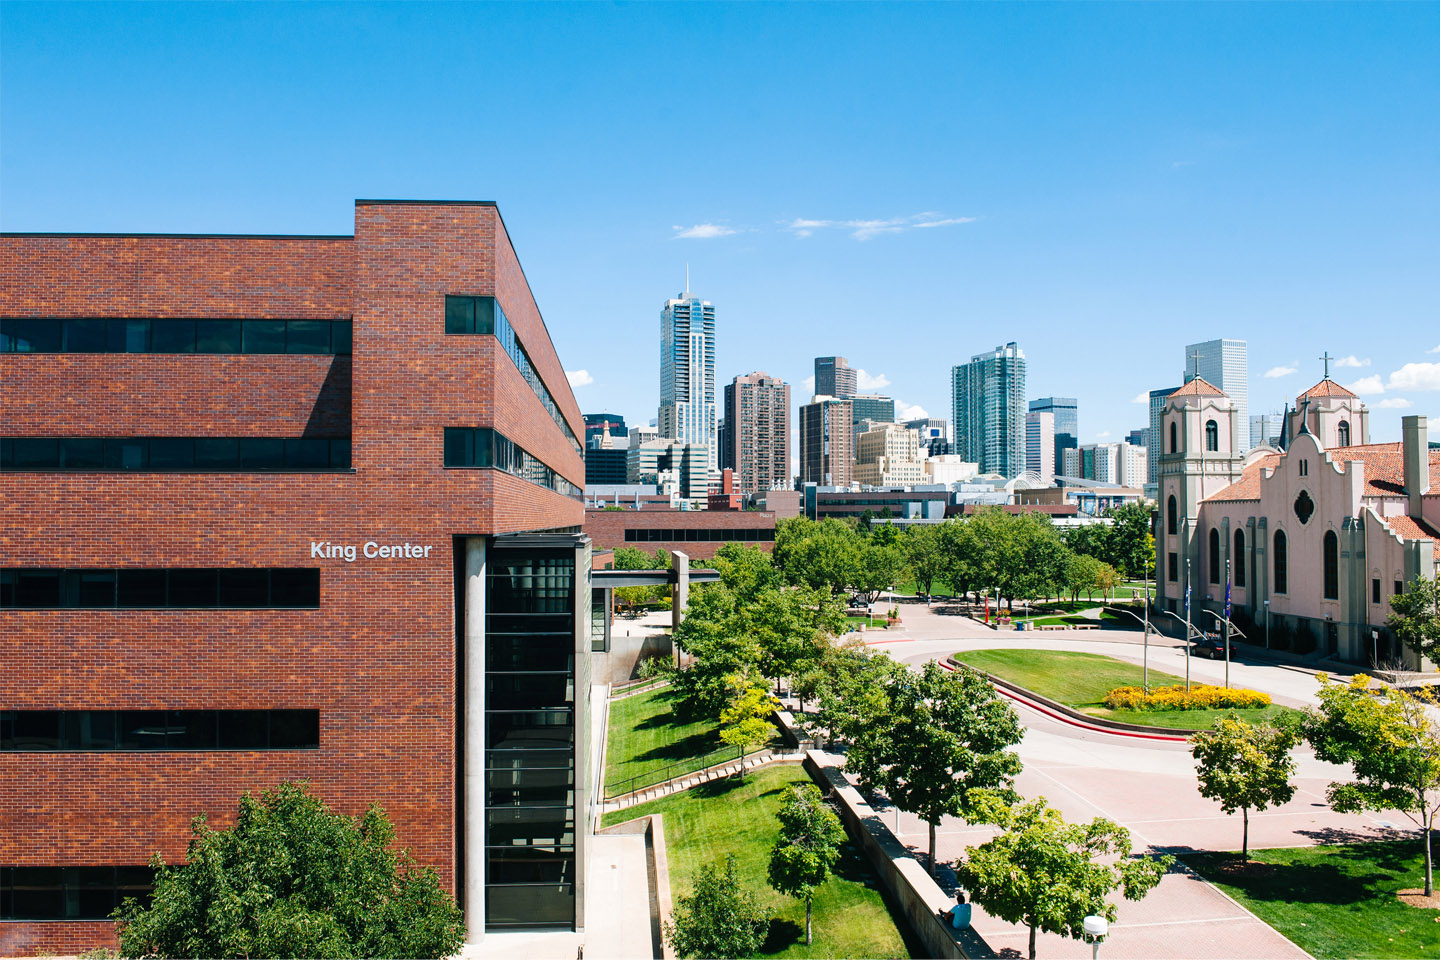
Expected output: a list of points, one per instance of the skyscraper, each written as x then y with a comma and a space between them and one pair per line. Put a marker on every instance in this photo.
1040, 445
826, 438
1152, 449
869, 409
988, 398
757, 432
1265, 430
1067, 423
1224, 364
687, 373
834, 377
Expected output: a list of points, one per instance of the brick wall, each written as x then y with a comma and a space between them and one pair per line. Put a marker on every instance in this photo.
607, 528
378, 658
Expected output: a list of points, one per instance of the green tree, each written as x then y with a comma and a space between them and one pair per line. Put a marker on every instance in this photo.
1131, 546
930, 740
293, 879
746, 570
808, 846
877, 567
717, 920
1416, 618
851, 690
745, 723
817, 555
1050, 875
791, 627
715, 633
1021, 554
924, 554
1245, 767
1082, 573
1391, 741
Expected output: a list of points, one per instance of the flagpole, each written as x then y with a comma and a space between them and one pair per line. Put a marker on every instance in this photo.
1146, 659
1187, 624
1227, 624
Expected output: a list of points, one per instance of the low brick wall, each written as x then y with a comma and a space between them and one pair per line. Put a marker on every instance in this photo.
905, 881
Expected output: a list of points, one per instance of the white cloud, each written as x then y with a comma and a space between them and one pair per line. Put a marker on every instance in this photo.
1176, 165
1141, 397
865, 229
1394, 403
867, 382
702, 231
909, 411
1352, 361
1103, 434
809, 383
1435, 349
1283, 370
1416, 376
579, 378
1367, 385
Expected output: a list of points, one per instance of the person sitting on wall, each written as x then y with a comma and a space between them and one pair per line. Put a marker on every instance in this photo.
960, 913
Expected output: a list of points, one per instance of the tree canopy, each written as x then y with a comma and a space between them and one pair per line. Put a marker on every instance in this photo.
1416, 618
1046, 874
1245, 766
293, 879
807, 848
1391, 741
717, 920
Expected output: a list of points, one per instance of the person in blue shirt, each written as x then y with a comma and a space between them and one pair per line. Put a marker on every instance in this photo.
960, 913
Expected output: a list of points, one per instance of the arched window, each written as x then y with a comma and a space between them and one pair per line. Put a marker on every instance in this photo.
1174, 438
1172, 520
1332, 566
1214, 554
1282, 584
1212, 436
1239, 565
1344, 431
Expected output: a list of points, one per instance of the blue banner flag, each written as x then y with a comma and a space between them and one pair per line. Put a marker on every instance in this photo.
1187, 601
1227, 599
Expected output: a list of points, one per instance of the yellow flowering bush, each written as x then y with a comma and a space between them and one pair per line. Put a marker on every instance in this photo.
1200, 697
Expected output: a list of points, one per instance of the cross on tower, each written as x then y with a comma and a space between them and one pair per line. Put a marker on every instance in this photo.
1327, 358
1196, 357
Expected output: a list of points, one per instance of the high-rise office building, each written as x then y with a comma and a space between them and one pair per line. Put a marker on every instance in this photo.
1224, 364
1040, 446
757, 433
888, 455
834, 377
1138, 438
1067, 423
988, 402
687, 374
867, 410
826, 442
1120, 463
600, 424
1265, 430
934, 436
1152, 450
670, 462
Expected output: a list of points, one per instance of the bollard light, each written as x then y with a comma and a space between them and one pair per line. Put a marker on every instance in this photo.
1096, 929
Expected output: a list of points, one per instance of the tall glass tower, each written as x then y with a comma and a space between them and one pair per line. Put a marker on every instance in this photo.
988, 396
1224, 364
687, 373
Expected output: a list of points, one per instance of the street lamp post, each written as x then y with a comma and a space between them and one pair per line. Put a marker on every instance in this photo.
1227, 624
1095, 927
1267, 623
1145, 659
1187, 648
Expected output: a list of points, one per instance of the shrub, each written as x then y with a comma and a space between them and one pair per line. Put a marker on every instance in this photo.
1200, 697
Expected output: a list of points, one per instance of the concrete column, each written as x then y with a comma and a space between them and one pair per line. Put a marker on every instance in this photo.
473, 684
680, 595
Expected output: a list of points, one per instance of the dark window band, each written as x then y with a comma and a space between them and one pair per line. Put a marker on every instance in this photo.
167, 730
172, 454
688, 535
486, 448
71, 893
483, 315
141, 335
49, 588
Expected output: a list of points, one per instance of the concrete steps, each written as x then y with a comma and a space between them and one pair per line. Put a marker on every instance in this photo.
696, 778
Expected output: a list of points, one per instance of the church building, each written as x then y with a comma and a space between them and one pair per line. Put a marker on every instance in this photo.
1310, 542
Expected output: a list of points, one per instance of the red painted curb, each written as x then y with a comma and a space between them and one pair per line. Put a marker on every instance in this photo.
1077, 723
873, 643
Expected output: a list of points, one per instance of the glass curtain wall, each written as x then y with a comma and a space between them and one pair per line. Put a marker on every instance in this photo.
530, 831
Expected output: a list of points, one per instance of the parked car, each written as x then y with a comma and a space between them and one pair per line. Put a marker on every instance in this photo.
1212, 648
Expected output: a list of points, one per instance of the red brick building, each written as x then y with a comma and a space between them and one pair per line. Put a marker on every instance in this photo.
695, 533
287, 507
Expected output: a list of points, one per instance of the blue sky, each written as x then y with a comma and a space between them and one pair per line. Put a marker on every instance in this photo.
905, 185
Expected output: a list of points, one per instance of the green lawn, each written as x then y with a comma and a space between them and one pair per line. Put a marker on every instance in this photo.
1335, 901
1081, 680
871, 623
705, 823
647, 741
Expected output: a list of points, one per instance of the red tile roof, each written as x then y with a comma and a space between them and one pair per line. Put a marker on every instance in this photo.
1248, 486
1199, 387
1384, 467
1384, 477
1411, 528
1325, 388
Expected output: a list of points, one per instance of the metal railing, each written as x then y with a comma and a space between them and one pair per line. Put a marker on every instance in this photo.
678, 768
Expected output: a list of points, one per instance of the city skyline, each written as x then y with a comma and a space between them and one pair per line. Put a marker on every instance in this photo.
1186, 207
